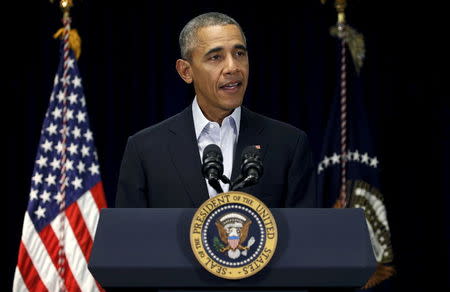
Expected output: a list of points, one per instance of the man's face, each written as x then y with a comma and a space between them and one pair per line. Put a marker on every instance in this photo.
220, 68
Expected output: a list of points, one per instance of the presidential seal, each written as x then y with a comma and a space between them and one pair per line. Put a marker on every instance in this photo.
233, 235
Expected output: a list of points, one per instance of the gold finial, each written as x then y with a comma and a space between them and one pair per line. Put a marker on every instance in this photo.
65, 4
354, 39
340, 8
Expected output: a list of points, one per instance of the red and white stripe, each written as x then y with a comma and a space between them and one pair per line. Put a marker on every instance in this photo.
37, 268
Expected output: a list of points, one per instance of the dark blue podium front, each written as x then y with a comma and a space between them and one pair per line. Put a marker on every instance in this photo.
151, 248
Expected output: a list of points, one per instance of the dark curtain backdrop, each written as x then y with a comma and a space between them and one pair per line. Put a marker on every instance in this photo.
130, 82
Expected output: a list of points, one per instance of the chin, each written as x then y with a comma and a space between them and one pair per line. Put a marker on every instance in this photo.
232, 101
232, 104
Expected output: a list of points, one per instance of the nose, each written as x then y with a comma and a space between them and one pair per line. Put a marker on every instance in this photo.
231, 66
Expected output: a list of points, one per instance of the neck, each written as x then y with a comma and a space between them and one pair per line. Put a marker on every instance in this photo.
218, 118
214, 115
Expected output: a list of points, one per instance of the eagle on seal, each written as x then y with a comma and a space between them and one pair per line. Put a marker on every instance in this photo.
233, 231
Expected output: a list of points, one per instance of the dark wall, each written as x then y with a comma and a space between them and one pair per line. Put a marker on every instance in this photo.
130, 82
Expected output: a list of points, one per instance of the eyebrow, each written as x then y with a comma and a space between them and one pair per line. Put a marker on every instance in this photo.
218, 49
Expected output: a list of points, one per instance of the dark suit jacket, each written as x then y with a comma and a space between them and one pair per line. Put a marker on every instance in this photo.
161, 166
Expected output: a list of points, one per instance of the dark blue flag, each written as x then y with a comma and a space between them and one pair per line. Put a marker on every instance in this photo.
362, 167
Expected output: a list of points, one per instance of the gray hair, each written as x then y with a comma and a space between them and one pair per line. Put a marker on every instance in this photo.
188, 35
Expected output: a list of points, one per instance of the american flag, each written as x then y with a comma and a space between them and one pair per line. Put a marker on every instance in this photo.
56, 245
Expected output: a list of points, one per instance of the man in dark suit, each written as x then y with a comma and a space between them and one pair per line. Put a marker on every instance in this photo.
161, 166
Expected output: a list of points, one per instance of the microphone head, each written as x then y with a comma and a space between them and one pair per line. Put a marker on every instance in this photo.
250, 151
212, 151
251, 161
212, 162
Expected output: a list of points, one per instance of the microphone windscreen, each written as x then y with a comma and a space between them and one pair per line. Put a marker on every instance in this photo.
250, 151
212, 150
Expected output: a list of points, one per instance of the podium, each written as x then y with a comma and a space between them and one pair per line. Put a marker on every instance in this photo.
317, 248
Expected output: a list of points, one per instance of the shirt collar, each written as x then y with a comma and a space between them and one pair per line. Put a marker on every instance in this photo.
200, 121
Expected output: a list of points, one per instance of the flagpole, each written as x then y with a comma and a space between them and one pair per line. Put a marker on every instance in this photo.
65, 7
340, 8
341, 31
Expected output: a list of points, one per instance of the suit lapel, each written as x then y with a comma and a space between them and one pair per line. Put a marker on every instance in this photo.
249, 134
185, 156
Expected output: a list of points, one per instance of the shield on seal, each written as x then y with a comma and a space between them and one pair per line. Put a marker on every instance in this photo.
233, 241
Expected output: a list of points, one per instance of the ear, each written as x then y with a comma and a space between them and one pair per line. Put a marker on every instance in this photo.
184, 70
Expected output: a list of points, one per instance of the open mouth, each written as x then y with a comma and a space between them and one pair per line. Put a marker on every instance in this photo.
231, 85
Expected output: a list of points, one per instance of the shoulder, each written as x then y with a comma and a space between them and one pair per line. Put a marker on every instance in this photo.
275, 128
161, 129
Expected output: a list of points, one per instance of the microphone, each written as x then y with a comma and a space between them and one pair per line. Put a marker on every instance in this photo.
212, 168
251, 168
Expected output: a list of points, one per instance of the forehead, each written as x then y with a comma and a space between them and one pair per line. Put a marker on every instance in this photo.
219, 36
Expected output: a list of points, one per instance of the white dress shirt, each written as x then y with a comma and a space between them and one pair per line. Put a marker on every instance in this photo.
224, 136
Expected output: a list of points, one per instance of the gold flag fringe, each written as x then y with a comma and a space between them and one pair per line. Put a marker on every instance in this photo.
74, 40
382, 272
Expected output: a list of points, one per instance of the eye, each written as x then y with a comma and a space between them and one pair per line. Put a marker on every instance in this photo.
214, 57
241, 53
